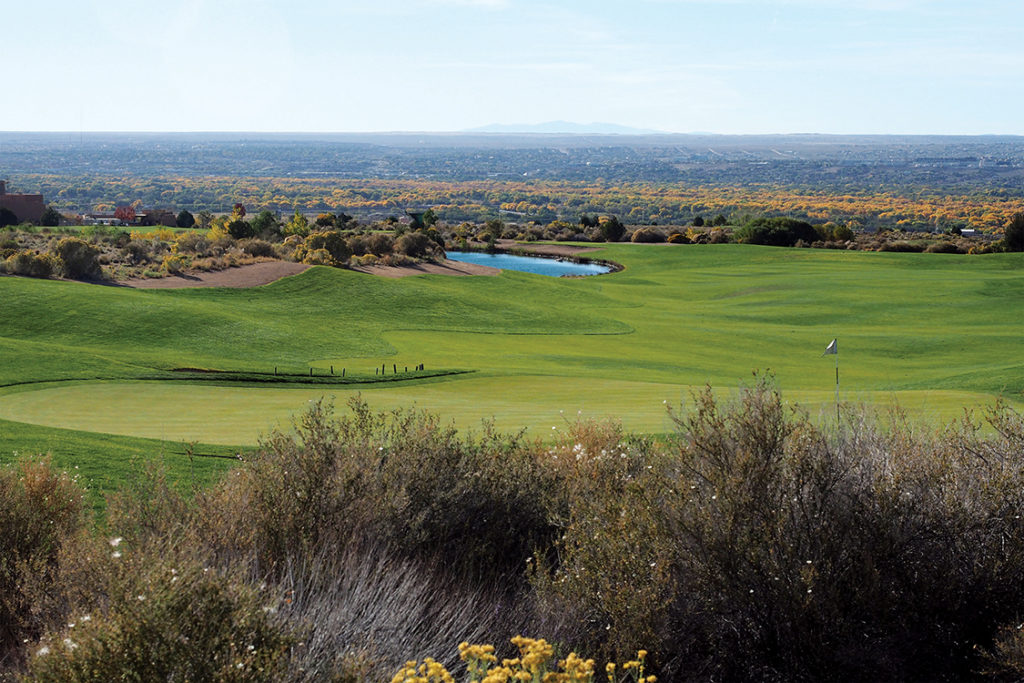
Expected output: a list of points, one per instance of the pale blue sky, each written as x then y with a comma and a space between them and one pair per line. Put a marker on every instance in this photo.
722, 66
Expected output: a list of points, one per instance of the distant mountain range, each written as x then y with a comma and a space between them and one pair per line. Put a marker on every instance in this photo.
564, 127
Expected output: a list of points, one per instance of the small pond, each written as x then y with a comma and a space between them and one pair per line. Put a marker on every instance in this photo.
529, 264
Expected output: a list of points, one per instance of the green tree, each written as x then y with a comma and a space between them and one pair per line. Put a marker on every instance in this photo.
842, 233
7, 217
266, 225
777, 232
50, 218
612, 229
1013, 236
240, 229
204, 220
494, 227
298, 224
185, 219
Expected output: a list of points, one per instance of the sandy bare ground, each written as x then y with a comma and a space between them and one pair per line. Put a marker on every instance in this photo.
448, 267
251, 275
256, 274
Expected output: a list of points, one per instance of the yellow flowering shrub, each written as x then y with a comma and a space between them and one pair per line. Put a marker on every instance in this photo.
158, 234
535, 664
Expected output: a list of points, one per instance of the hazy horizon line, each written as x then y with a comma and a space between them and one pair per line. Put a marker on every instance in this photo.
500, 133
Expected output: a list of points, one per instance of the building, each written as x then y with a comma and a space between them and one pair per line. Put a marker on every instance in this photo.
144, 217
27, 207
101, 219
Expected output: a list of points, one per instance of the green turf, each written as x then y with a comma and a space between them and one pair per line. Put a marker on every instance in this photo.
178, 412
103, 462
932, 331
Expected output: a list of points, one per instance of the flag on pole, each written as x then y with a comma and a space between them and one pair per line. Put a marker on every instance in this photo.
831, 349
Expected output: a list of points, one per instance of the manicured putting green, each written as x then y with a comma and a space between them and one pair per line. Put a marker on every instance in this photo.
238, 415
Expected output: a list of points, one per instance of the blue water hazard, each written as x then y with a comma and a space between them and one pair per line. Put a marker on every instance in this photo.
529, 264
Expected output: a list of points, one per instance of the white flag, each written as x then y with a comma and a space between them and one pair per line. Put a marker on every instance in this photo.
831, 349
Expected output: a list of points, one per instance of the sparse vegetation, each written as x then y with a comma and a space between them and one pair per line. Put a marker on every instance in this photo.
752, 544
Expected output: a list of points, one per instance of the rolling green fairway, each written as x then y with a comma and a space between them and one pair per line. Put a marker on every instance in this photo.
933, 332
103, 463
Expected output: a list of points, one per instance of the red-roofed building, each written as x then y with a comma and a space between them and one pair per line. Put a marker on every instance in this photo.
27, 207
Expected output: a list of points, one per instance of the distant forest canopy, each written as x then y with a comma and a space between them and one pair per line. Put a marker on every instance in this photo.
918, 182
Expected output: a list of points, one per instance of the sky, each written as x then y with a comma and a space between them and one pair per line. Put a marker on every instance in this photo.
718, 66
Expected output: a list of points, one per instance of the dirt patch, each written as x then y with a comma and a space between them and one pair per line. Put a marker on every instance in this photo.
252, 275
256, 274
448, 267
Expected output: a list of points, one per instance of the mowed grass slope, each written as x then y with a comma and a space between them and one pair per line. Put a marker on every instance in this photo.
931, 331
102, 463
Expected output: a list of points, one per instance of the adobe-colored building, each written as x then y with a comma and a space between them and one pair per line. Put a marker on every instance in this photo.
27, 207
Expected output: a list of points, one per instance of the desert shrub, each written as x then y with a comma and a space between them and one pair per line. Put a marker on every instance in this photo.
611, 585
169, 621
136, 253
41, 510
257, 248
364, 260
942, 247
903, 246
379, 244
648, 235
78, 259
192, 242
719, 236
210, 264
398, 260
436, 237
873, 553
401, 478
357, 245
155, 235
315, 257
174, 264
30, 264
415, 245
536, 661
777, 232
330, 241
1005, 659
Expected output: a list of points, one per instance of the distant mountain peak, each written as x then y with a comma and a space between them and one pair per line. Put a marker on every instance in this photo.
564, 127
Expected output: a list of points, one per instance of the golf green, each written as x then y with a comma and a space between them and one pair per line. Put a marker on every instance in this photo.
934, 333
